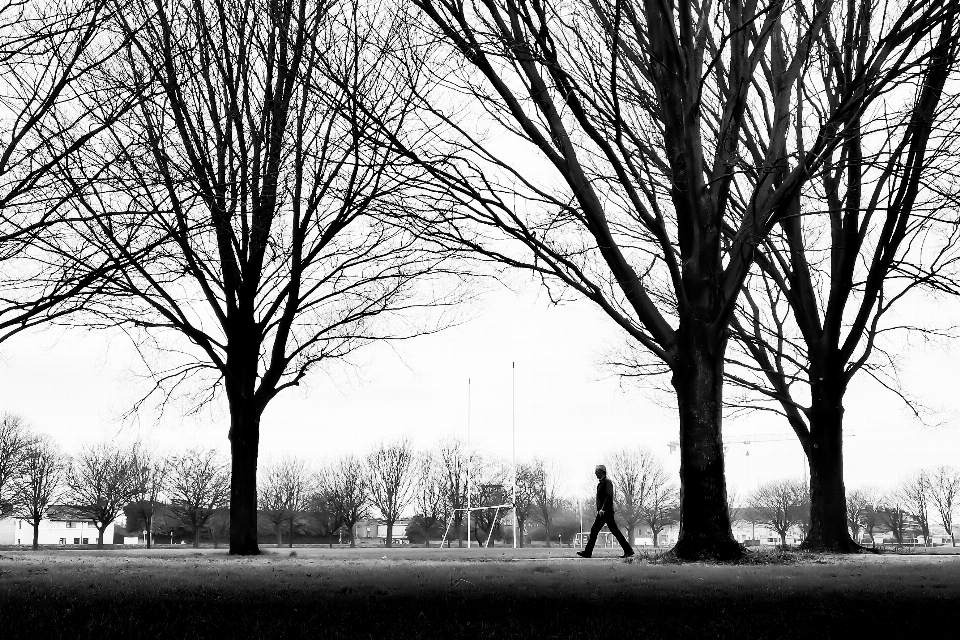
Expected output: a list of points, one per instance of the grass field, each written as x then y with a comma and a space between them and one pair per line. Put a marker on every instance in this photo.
496, 593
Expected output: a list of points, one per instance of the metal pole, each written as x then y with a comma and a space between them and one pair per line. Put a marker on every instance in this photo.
468, 463
513, 368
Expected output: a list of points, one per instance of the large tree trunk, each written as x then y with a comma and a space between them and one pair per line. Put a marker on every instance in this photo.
244, 442
196, 537
705, 530
389, 533
278, 529
546, 533
36, 535
291, 533
518, 533
150, 531
100, 533
457, 521
828, 498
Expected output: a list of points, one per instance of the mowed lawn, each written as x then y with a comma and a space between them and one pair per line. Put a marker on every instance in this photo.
498, 593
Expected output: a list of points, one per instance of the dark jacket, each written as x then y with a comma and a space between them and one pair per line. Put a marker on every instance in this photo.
605, 495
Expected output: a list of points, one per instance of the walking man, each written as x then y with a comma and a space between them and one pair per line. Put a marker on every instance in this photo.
605, 516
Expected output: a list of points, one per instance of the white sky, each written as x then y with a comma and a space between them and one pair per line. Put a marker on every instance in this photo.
75, 385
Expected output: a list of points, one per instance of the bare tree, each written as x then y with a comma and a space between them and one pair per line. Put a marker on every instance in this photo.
858, 501
151, 470
894, 515
430, 496
48, 51
914, 495
547, 497
14, 438
344, 487
263, 227
779, 505
871, 515
632, 470
199, 484
456, 464
102, 480
40, 482
662, 501
390, 479
816, 313
284, 490
735, 505
524, 500
663, 153
944, 491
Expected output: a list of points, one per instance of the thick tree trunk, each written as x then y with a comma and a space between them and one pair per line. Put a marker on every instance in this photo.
656, 539
457, 520
150, 531
828, 497
36, 535
196, 537
389, 533
518, 536
546, 532
244, 442
278, 529
290, 522
705, 531
100, 533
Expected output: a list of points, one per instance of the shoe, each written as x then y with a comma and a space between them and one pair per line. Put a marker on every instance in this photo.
628, 555
582, 554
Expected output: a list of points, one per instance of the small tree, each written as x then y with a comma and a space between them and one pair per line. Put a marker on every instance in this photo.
944, 490
632, 469
284, 490
546, 496
151, 471
430, 496
199, 484
14, 438
455, 462
525, 501
914, 495
894, 515
343, 495
390, 480
858, 501
102, 480
662, 502
40, 483
778, 506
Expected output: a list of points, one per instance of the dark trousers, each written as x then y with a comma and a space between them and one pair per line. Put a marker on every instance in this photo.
606, 519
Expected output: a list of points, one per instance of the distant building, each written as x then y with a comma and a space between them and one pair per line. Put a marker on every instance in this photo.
374, 531
62, 526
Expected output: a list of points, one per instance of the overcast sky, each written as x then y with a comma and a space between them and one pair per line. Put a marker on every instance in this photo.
75, 386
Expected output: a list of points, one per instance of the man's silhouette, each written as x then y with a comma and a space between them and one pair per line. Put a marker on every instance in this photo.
605, 516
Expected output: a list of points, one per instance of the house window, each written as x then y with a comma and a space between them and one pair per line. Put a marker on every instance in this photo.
86, 541
71, 525
76, 541
63, 541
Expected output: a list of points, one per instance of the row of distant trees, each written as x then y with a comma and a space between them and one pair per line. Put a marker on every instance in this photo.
105, 480
928, 496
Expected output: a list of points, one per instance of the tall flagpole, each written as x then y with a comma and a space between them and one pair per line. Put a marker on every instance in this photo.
468, 463
513, 368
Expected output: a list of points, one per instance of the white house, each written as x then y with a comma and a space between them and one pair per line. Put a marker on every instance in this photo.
62, 526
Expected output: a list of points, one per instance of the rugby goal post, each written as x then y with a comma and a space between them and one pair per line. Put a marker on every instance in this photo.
467, 510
